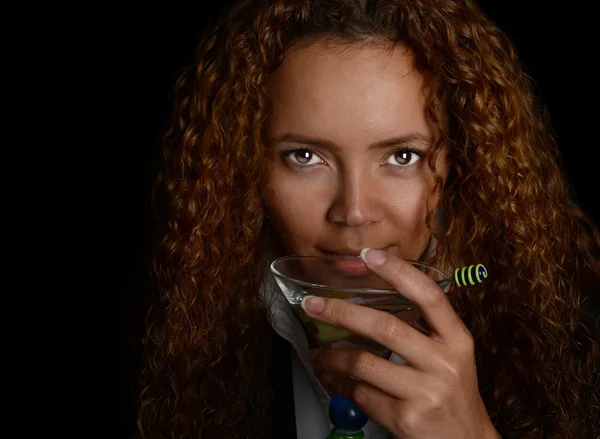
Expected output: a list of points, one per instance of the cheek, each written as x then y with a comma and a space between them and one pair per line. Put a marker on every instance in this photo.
299, 211
407, 212
408, 204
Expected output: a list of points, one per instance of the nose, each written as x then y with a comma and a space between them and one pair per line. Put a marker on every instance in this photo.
356, 201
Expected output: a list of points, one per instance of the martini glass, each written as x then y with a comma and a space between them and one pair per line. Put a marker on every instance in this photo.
348, 278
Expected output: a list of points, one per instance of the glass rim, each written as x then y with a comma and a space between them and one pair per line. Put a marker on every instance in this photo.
445, 276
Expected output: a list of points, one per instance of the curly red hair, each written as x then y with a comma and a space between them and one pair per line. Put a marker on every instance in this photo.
506, 201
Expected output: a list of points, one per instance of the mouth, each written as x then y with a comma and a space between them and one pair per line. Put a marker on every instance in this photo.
347, 261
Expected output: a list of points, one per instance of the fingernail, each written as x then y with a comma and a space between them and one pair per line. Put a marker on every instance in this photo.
373, 257
312, 304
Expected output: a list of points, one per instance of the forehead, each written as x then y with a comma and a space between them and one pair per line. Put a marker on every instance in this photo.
371, 89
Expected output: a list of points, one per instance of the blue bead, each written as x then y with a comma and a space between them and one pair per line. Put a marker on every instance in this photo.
481, 273
472, 273
345, 415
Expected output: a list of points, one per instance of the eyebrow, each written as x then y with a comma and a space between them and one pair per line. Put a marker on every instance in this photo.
312, 141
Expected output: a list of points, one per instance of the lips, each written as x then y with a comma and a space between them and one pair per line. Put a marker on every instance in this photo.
352, 266
346, 252
347, 261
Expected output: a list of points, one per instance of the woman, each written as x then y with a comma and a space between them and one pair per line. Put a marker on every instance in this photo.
406, 126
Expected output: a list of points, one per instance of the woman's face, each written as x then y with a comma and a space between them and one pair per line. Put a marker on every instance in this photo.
343, 126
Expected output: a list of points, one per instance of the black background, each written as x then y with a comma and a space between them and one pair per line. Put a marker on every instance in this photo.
142, 51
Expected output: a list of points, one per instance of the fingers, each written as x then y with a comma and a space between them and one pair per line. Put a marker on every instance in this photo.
420, 289
394, 379
378, 326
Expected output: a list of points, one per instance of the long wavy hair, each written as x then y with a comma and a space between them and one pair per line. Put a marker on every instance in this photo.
506, 203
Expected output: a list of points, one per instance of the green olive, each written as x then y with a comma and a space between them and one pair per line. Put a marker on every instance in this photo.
324, 332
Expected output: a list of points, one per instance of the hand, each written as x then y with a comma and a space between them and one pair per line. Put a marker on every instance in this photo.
435, 394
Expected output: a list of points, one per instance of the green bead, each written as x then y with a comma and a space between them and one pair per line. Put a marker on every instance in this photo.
337, 435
